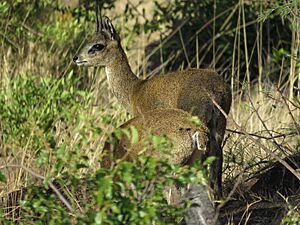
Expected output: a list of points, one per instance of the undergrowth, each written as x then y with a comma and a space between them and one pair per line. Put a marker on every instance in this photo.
32, 108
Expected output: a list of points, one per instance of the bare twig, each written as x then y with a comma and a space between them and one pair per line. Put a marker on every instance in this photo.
32, 30
148, 189
51, 185
239, 179
254, 205
295, 14
273, 141
259, 136
282, 96
290, 112
184, 49
14, 44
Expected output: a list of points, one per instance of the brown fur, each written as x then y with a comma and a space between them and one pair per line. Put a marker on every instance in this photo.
176, 125
187, 90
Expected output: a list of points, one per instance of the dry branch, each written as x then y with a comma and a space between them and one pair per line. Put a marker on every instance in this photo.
51, 185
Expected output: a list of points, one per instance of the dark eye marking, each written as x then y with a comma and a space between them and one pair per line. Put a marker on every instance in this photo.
96, 47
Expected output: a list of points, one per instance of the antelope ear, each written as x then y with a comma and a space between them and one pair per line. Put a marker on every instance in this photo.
110, 28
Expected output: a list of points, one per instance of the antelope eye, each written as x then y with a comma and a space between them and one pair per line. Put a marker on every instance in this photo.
96, 47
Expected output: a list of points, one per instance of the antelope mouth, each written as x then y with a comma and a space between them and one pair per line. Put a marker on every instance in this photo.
81, 63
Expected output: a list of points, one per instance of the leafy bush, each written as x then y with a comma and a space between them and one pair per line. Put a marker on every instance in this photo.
31, 108
128, 194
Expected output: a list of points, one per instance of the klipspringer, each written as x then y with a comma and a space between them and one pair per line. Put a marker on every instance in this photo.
190, 90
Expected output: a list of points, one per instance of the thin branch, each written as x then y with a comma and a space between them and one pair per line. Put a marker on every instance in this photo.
259, 136
31, 30
184, 49
274, 142
51, 185
14, 44
292, 12
239, 179
252, 206
290, 112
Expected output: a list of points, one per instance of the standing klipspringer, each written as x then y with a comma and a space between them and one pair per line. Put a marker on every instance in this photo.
190, 90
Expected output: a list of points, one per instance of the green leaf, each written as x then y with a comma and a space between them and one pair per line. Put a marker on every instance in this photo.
70, 75
61, 152
99, 198
126, 132
196, 121
115, 209
81, 165
64, 95
134, 135
43, 158
119, 134
142, 214
159, 143
99, 218
209, 160
2, 178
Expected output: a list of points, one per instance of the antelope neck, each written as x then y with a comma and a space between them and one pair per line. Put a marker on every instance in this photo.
121, 79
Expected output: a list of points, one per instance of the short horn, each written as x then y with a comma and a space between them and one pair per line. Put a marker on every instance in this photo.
98, 23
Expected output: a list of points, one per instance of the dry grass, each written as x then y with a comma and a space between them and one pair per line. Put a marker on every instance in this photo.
266, 117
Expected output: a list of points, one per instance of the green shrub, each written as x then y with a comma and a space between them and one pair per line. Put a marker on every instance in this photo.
128, 194
31, 107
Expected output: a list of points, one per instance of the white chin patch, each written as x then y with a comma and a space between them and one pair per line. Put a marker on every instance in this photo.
81, 63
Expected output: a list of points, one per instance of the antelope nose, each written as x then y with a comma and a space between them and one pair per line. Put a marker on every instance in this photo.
75, 58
